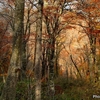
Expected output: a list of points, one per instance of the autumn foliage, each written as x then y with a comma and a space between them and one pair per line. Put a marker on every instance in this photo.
5, 48
69, 43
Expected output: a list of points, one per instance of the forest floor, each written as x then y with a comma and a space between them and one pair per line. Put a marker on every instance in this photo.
75, 90
64, 90
78, 90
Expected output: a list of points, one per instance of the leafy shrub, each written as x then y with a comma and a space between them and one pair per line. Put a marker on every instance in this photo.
21, 91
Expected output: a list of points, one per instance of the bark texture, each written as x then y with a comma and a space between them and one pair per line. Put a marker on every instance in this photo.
9, 90
38, 48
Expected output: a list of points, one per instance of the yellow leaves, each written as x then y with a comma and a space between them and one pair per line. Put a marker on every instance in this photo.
97, 27
45, 3
60, 39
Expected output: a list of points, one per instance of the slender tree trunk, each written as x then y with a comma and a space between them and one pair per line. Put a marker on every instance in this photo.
24, 45
51, 60
24, 60
38, 55
51, 56
9, 90
44, 62
76, 66
92, 60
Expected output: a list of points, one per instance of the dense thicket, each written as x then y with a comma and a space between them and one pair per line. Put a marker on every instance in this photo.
45, 41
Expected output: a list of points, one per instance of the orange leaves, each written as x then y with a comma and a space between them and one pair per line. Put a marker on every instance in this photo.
92, 6
29, 73
70, 27
5, 47
95, 1
96, 31
51, 11
69, 15
93, 31
11, 1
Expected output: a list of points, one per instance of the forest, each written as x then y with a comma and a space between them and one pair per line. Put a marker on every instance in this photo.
49, 49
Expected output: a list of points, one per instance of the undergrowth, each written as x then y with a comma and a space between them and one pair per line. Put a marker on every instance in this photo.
71, 90
77, 89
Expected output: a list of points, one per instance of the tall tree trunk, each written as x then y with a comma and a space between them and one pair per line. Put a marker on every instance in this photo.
51, 54
51, 60
24, 60
44, 62
27, 30
9, 90
92, 60
38, 55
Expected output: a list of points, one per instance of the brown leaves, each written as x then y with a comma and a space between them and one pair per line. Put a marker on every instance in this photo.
70, 27
50, 10
5, 47
11, 1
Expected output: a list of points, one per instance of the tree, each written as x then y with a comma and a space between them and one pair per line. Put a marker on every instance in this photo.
52, 13
9, 90
38, 48
90, 14
5, 48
